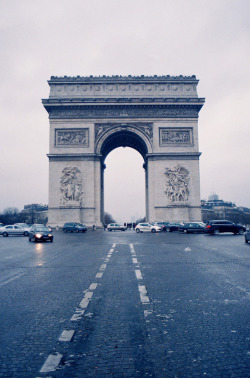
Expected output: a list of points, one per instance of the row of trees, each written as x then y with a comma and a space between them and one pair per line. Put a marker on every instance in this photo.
12, 215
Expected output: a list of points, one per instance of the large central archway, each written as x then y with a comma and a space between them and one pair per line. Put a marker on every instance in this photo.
91, 116
124, 185
122, 137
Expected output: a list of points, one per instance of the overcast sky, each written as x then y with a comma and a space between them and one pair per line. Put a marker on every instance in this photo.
206, 38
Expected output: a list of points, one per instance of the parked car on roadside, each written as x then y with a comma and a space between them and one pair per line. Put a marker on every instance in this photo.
173, 227
163, 225
247, 236
159, 224
116, 226
215, 227
74, 227
40, 233
147, 227
13, 230
192, 227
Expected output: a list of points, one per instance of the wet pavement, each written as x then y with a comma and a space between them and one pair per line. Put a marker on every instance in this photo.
121, 304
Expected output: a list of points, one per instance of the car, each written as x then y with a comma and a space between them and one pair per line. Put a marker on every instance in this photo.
247, 236
25, 226
215, 227
13, 230
147, 227
159, 224
116, 226
173, 227
163, 225
40, 225
74, 227
1, 225
192, 227
40, 233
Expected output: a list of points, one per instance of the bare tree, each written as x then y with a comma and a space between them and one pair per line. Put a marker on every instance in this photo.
108, 218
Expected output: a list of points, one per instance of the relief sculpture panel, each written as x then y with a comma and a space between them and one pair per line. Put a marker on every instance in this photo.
145, 128
174, 136
72, 137
71, 187
177, 184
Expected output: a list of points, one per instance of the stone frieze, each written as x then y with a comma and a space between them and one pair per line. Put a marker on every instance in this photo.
123, 112
72, 137
145, 128
176, 136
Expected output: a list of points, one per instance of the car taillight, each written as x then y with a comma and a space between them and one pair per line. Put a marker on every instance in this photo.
208, 226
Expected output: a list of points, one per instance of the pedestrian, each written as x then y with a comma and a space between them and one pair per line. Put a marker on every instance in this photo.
93, 227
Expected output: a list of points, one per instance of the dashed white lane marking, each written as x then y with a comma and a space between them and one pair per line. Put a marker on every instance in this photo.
66, 335
142, 288
93, 286
54, 360
51, 363
138, 274
143, 294
99, 275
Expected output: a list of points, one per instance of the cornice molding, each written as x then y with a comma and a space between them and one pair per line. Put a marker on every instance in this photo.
122, 111
118, 78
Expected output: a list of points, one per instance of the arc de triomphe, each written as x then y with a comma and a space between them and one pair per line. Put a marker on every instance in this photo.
91, 116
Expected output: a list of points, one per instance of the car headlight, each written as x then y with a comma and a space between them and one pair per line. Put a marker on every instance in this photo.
50, 235
38, 235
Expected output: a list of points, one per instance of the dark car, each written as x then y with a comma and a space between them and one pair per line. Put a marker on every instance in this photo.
74, 227
173, 227
215, 227
163, 225
40, 233
192, 227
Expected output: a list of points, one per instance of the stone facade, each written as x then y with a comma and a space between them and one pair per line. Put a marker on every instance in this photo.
90, 116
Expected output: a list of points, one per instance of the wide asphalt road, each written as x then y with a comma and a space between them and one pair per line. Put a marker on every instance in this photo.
115, 304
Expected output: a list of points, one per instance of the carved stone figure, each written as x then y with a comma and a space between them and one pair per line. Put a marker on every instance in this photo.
177, 185
71, 186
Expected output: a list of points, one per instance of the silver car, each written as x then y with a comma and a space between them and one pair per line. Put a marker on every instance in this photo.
116, 226
13, 230
147, 227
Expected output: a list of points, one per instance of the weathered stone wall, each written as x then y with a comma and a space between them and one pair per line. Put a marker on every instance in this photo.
158, 116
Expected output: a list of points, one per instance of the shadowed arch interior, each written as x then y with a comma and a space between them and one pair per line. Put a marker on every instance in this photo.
124, 139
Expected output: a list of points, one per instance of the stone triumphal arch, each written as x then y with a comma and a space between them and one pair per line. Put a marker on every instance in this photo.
91, 116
